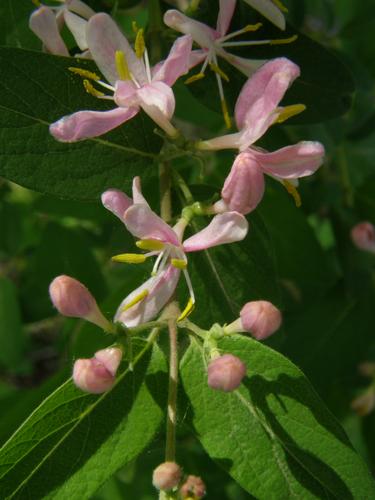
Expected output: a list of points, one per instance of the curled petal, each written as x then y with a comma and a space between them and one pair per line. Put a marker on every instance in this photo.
43, 23
269, 10
177, 62
256, 106
79, 8
110, 357
224, 228
86, 124
202, 34
157, 100
104, 38
116, 202
160, 289
226, 10
137, 192
77, 26
292, 162
143, 223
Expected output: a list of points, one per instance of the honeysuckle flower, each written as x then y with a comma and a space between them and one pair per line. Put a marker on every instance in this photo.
97, 374
363, 236
134, 84
257, 108
167, 245
214, 42
47, 22
166, 476
258, 317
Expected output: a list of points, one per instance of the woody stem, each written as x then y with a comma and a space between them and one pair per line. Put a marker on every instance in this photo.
170, 447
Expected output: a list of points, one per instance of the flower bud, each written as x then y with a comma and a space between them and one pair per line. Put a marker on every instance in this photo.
244, 187
365, 403
73, 299
260, 318
193, 487
166, 476
226, 372
97, 374
363, 236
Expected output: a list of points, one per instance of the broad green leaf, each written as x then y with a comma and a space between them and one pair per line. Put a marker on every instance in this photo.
273, 434
74, 441
37, 89
14, 24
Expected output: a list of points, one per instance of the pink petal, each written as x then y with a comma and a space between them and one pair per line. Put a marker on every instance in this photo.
125, 94
143, 223
157, 100
103, 39
110, 358
160, 287
270, 11
137, 192
86, 124
224, 228
228, 141
43, 23
226, 10
202, 34
116, 202
292, 162
79, 8
257, 103
196, 57
77, 26
247, 66
177, 62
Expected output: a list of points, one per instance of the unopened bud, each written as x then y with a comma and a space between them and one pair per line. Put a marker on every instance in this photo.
365, 403
260, 318
97, 374
226, 372
166, 476
71, 298
193, 488
363, 236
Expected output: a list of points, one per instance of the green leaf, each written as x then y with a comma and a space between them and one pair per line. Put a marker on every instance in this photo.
37, 89
14, 24
273, 434
74, 441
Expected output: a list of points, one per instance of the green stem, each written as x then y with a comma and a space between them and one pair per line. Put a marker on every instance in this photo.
184, 188
170, 446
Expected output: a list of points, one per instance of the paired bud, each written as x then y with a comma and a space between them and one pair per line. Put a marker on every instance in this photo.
244, 187
225, 373
363, 236
73, 299
365, 403
97, 374
166, 476
193, 488
259, 317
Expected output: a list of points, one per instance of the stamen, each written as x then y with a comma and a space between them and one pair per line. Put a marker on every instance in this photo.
130, 258
179, 263
289, 111
252, 27
219, 71
283, 41
280, 5
90, 89
246, 29
292, 190
85, 73
139, 44
148, 244
138, 298
194, 78
148, 67
188, 309
224, 108
122, 65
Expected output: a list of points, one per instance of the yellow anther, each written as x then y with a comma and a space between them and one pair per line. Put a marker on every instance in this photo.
150, 244
139, 44
280, 5
85, 73
135, 26
227, 119
122, 65
283, 41
219, 71
129, 258
188, 309
90, 89
194, 78
293, 191
138, 298
179, 263
252, 27
289, 111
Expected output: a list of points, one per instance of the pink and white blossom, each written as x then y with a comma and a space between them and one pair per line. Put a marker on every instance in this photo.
133, 84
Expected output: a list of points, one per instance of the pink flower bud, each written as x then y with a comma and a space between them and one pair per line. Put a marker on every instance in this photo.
97, 374
226, 372
73, 299
260, 318
193, 487
363, 236
166, 476
244, 187
365, 403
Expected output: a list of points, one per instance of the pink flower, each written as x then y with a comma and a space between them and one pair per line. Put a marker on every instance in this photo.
363, 236
97, 374
259, 317
257, 108
165, 243
47, 22
134, 84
